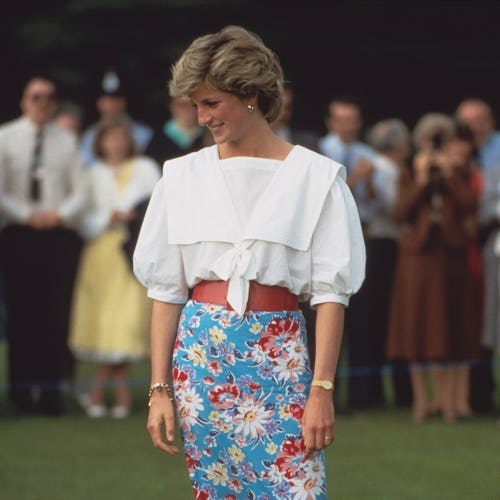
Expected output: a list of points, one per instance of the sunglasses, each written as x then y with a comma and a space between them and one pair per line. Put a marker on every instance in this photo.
37, 97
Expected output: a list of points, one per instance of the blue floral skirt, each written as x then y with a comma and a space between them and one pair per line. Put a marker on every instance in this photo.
241, 384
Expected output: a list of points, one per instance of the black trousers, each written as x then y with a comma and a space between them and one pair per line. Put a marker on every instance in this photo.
39, 268
482, 383
366, 329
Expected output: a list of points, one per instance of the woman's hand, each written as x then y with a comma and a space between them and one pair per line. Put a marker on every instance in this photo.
318, 421
423, 162
161, 422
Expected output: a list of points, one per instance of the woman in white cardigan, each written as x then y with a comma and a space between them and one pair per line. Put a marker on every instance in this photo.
234, 237
110, 314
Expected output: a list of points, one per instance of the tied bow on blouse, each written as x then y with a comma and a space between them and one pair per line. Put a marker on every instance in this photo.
238, 267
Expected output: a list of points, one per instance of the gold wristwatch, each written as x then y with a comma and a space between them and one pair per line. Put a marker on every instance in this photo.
324, 384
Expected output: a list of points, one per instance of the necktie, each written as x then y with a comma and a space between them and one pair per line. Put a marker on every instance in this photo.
35, 165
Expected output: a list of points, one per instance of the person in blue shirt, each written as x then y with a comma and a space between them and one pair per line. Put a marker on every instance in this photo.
478, 116
179, 135
343, 144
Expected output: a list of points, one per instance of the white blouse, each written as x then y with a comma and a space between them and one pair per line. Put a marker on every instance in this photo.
290, 223
105, 197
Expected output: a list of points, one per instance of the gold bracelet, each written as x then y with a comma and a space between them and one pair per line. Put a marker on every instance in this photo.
160, 386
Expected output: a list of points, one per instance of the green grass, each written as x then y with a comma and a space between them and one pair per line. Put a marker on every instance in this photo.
377, 455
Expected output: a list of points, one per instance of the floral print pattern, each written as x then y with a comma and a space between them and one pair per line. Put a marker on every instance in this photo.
241, 385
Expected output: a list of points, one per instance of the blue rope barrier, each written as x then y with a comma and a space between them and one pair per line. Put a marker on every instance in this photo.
342, 373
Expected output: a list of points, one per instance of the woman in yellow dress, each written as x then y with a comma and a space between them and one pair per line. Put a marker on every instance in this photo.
110, 314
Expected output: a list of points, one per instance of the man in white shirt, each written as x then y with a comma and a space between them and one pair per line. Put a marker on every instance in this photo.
42, 192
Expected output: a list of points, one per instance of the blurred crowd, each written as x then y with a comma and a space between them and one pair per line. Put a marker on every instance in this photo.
72, 199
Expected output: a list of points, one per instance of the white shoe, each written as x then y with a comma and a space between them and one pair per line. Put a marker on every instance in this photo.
120, 412
96, 411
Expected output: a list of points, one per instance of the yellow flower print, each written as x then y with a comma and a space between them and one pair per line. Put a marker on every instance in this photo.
217, 335
227, 427
197, 355
214, 415
236, 454
217, 473
256, 327
271, 448
212, 308
285, 412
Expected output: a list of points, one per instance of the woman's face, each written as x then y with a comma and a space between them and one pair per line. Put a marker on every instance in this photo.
225, 115
116, 144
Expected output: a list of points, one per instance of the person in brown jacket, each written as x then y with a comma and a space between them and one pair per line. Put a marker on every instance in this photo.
432, 314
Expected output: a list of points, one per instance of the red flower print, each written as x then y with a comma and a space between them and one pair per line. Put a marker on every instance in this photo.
297, 411
189, 462
201, 495
254, 386
277, 333
278, 327
223, 396
214, 367
288, 459
235, 485
179, 376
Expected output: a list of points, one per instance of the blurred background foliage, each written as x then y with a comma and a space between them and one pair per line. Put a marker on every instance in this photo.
400, 58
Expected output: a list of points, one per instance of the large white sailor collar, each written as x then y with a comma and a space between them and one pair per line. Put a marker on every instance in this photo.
200, 207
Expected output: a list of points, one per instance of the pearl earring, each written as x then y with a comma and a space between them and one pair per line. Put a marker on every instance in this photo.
250, 108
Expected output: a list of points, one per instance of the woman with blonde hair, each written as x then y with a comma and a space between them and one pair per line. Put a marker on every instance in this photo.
110, 312
251, 225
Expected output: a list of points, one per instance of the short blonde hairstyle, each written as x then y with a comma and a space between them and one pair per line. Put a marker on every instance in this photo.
232, 60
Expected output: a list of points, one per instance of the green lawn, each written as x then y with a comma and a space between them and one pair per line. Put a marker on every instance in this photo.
377, 455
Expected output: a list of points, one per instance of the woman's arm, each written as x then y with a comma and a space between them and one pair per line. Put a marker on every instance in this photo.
164, 322
337, 272
318, 423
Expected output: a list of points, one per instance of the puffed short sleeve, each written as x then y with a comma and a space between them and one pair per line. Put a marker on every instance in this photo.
158, 265
337, 248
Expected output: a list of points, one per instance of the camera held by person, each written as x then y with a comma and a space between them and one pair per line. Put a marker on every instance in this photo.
435, 174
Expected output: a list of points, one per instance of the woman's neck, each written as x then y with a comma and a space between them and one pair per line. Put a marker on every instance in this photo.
116, 162
262, 144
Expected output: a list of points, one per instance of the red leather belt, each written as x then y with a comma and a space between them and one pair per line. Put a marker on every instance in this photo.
260, 297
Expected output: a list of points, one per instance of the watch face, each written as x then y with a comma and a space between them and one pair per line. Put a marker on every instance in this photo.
327, 385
